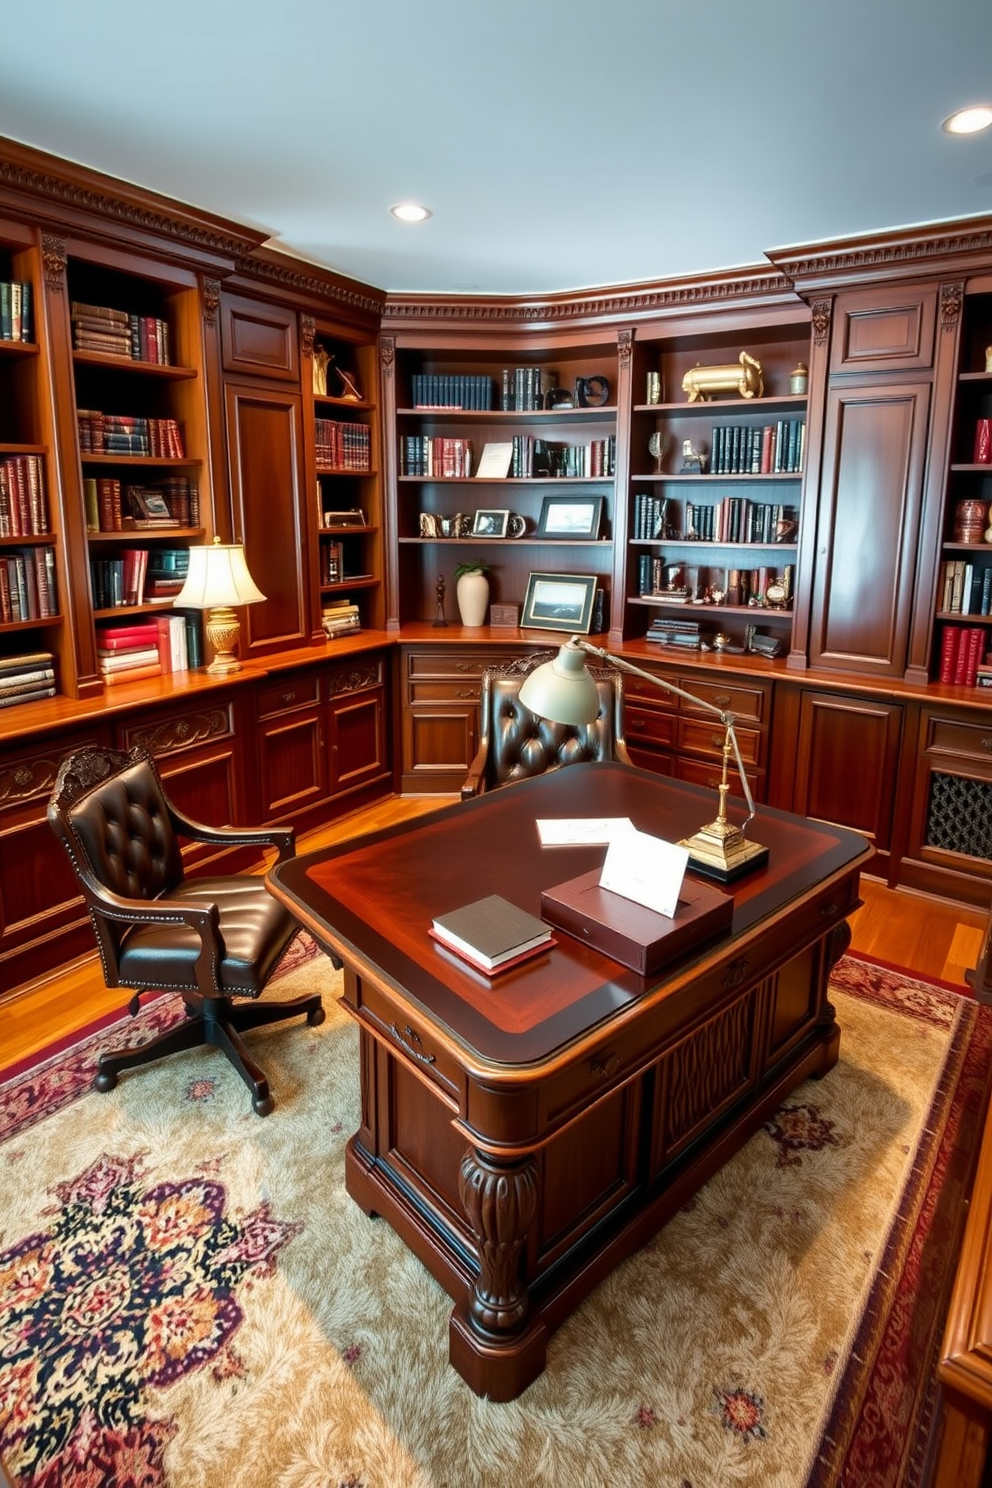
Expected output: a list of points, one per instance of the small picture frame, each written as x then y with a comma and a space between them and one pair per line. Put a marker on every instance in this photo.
504, 616
351, 518
571, 518
559, 602
150, 505
490, 523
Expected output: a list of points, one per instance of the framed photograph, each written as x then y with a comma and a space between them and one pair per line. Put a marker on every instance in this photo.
559, 602
488, 523
351, 518
151, 505
564, 517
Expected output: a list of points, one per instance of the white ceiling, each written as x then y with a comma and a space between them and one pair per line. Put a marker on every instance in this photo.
560, 146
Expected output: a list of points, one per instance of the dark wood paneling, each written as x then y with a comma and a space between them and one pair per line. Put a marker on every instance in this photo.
866, 541
259, 338
847, 755
884, 329
357, 739
265, 433
292, 764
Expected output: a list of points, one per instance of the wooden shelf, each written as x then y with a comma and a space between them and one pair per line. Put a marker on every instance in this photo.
164, 370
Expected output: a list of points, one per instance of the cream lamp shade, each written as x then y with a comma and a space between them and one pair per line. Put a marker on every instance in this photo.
218, 581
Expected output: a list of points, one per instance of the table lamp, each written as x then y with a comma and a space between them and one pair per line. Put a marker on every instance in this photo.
563, 691
217, 581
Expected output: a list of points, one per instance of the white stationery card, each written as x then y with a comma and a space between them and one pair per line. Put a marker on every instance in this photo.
646, 869
589, 831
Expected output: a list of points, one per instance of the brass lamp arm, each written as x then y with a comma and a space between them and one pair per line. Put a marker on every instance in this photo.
726, 718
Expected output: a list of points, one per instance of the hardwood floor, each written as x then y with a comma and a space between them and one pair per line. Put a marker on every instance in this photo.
930, 936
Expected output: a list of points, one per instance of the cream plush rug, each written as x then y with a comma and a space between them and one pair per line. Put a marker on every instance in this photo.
188, 1297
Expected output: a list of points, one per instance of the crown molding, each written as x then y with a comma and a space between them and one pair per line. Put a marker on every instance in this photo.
941, 248
587, 307
298, 278
40, 187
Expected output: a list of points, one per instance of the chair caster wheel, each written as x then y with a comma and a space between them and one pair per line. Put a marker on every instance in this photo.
104, 1080
263, 1105
317, 1016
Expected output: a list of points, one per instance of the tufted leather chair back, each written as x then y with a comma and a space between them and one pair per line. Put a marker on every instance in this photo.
110, 811
521, 744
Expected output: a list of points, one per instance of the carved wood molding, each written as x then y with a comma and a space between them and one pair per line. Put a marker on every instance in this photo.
308, 329
53, 256
104, 203
387, 354
638, 300
354, 294
951, 300
821, 311
173, 734
210, 296
625, 347
709, 1067
354, 678
28, 779
916, 250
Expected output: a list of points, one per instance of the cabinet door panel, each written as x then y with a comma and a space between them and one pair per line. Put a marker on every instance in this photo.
265, 436
866, 541
438, 745
293, 765
846, 762
880, 329
357, 729
259, 338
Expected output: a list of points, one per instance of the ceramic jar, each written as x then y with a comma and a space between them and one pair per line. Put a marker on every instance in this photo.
472, 595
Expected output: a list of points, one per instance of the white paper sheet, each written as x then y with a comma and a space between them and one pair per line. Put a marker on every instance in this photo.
575, 831
646, 869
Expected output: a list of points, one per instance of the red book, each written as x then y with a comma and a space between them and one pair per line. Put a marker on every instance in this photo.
976, 645
127, 637
960, 658
948, 652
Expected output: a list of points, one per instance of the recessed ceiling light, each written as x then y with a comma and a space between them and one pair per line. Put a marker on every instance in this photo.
410, 212
969, 120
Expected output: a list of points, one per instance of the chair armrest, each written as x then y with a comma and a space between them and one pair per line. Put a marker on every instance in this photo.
474, 783
282, 838
620, 749
202, 919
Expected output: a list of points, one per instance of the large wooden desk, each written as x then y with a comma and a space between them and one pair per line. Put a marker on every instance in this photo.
524, 1134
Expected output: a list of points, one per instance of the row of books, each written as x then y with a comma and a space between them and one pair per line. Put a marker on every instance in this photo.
342, 446
664, 631
340, 617
681, 583
138, 576
23, 504
114, 507
16, 310
27, 677
526, 389
452, 390
129, 434
138, 338
149, 648
734, 519
772, 449
436, 456
963, 657
964, 588
28, 588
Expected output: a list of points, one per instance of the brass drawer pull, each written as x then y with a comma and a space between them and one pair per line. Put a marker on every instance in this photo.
412, 1043
604, 1068
736, 972
986, 744
288, 697
721, 699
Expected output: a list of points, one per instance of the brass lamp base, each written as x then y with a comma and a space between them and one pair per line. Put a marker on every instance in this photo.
721, 851
222, 629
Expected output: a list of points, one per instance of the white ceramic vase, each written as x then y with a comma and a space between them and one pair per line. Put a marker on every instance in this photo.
472, 594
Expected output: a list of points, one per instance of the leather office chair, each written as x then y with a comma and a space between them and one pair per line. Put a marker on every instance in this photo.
212, 939
515, 743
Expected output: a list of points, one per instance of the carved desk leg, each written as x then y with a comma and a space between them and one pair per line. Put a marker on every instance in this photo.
492, 1344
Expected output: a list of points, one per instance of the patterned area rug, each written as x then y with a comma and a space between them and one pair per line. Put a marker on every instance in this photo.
188, 1297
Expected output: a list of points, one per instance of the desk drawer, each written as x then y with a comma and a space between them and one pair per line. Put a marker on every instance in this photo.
971, 740
407, 1037
698, 772
746, 703
293, 691
451, 664
707, 738
648, 724
435, 690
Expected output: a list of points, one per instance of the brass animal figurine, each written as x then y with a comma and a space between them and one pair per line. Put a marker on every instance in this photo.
744, 380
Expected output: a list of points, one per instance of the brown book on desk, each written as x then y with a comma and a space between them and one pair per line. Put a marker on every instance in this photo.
491, 932
631, 933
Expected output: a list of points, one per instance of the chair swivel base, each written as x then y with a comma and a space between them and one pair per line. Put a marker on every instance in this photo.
219, 1022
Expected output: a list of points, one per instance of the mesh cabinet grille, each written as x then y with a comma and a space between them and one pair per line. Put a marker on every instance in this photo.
959, 815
